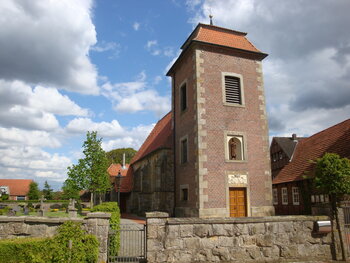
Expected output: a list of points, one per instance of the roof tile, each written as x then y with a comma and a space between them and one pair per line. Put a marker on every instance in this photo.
18, 187
335, 139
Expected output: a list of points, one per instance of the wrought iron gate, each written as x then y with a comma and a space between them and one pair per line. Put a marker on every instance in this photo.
132, 243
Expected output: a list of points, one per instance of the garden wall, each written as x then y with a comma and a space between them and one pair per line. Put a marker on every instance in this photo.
26, 226
265, 239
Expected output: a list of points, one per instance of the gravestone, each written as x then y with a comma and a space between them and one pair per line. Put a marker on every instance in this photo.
26, 210
72, 211
41, 209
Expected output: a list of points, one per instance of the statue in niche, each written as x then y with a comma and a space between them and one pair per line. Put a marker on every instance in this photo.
233, 148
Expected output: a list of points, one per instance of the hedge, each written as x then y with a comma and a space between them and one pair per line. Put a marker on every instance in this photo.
84, 247
113, 208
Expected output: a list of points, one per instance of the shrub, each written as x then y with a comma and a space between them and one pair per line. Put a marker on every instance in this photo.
55, 206
5, 197
84, 248
113, 208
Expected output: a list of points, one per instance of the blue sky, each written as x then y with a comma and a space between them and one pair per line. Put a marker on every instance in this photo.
71, 66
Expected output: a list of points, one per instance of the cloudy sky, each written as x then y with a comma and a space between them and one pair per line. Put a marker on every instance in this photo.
71, 66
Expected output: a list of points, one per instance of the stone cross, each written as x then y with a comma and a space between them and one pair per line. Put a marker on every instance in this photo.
42, 203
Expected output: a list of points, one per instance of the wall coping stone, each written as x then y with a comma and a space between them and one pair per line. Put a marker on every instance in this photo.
230, 220
33, 219
99, 215
157, 215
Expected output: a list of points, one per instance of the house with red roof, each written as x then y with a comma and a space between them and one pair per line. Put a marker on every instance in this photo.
17, 189
292, 187
209, 156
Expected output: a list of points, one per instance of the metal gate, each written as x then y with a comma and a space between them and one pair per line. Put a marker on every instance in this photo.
132, 243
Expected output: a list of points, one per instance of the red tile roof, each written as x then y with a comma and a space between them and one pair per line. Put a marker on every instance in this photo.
221, 36
159, 138
335, 139
17, 187
126, 183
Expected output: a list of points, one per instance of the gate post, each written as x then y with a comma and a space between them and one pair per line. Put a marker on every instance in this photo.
156, 222
98, 224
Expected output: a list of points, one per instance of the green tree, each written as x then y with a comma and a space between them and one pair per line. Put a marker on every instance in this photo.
91, 171
116, 155
332, 177
33, 193
70, 190
47, 191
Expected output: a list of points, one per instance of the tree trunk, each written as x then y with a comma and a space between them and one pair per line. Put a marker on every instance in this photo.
335, 211
91, 200
100, 196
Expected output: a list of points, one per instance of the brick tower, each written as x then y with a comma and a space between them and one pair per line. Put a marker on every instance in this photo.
222, 163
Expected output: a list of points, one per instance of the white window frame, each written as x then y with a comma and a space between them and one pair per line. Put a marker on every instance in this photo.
295, 196
240, 77
284, 191
275, 196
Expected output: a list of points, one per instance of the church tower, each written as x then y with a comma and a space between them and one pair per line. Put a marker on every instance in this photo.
222, 165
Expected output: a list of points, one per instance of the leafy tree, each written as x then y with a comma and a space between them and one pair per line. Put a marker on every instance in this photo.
332, 176
116, 155
91, 171
47, 191
33, 193
70, 190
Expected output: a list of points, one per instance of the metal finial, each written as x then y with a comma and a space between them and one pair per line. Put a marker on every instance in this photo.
211, 19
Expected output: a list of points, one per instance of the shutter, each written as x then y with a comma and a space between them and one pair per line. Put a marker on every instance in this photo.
233, 90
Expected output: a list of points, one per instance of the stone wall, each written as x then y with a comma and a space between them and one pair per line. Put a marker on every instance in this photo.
265, 239
27, 226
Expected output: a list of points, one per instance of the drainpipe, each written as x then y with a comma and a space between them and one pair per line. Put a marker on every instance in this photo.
174, 139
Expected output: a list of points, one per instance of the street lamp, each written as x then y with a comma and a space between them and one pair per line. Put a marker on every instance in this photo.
118, 182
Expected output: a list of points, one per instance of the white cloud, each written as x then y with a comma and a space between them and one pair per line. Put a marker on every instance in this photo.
132, 138
151, 43
136, 26
307, 73
153, 47
18, 137
134, 96
104, 129
47, 43
32, 162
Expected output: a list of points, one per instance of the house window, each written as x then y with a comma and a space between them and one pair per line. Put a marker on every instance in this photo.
232, 89
275, 196
235, 148
183, 97
21, 197
284, 196
184, 150
184, 192
295, 196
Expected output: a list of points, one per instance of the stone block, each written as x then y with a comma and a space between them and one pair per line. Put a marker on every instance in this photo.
240, 229
221, 253
152, 231
219, 230
173, 231
173, 243
186, 230
258, 228
192, 243
271, 252
209, 242
289, 252
285, 227
203, 230
265, 240
154, 245
227, 241
254, 253
248, 241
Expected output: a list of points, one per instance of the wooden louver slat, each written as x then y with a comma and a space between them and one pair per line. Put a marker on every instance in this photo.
233, 90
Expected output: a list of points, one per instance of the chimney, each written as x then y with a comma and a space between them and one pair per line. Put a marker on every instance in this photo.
211, 19
123, 161
294, 137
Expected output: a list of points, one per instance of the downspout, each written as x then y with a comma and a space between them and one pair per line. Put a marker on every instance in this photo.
174, 139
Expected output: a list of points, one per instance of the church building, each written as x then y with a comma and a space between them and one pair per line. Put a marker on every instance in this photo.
216, 150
